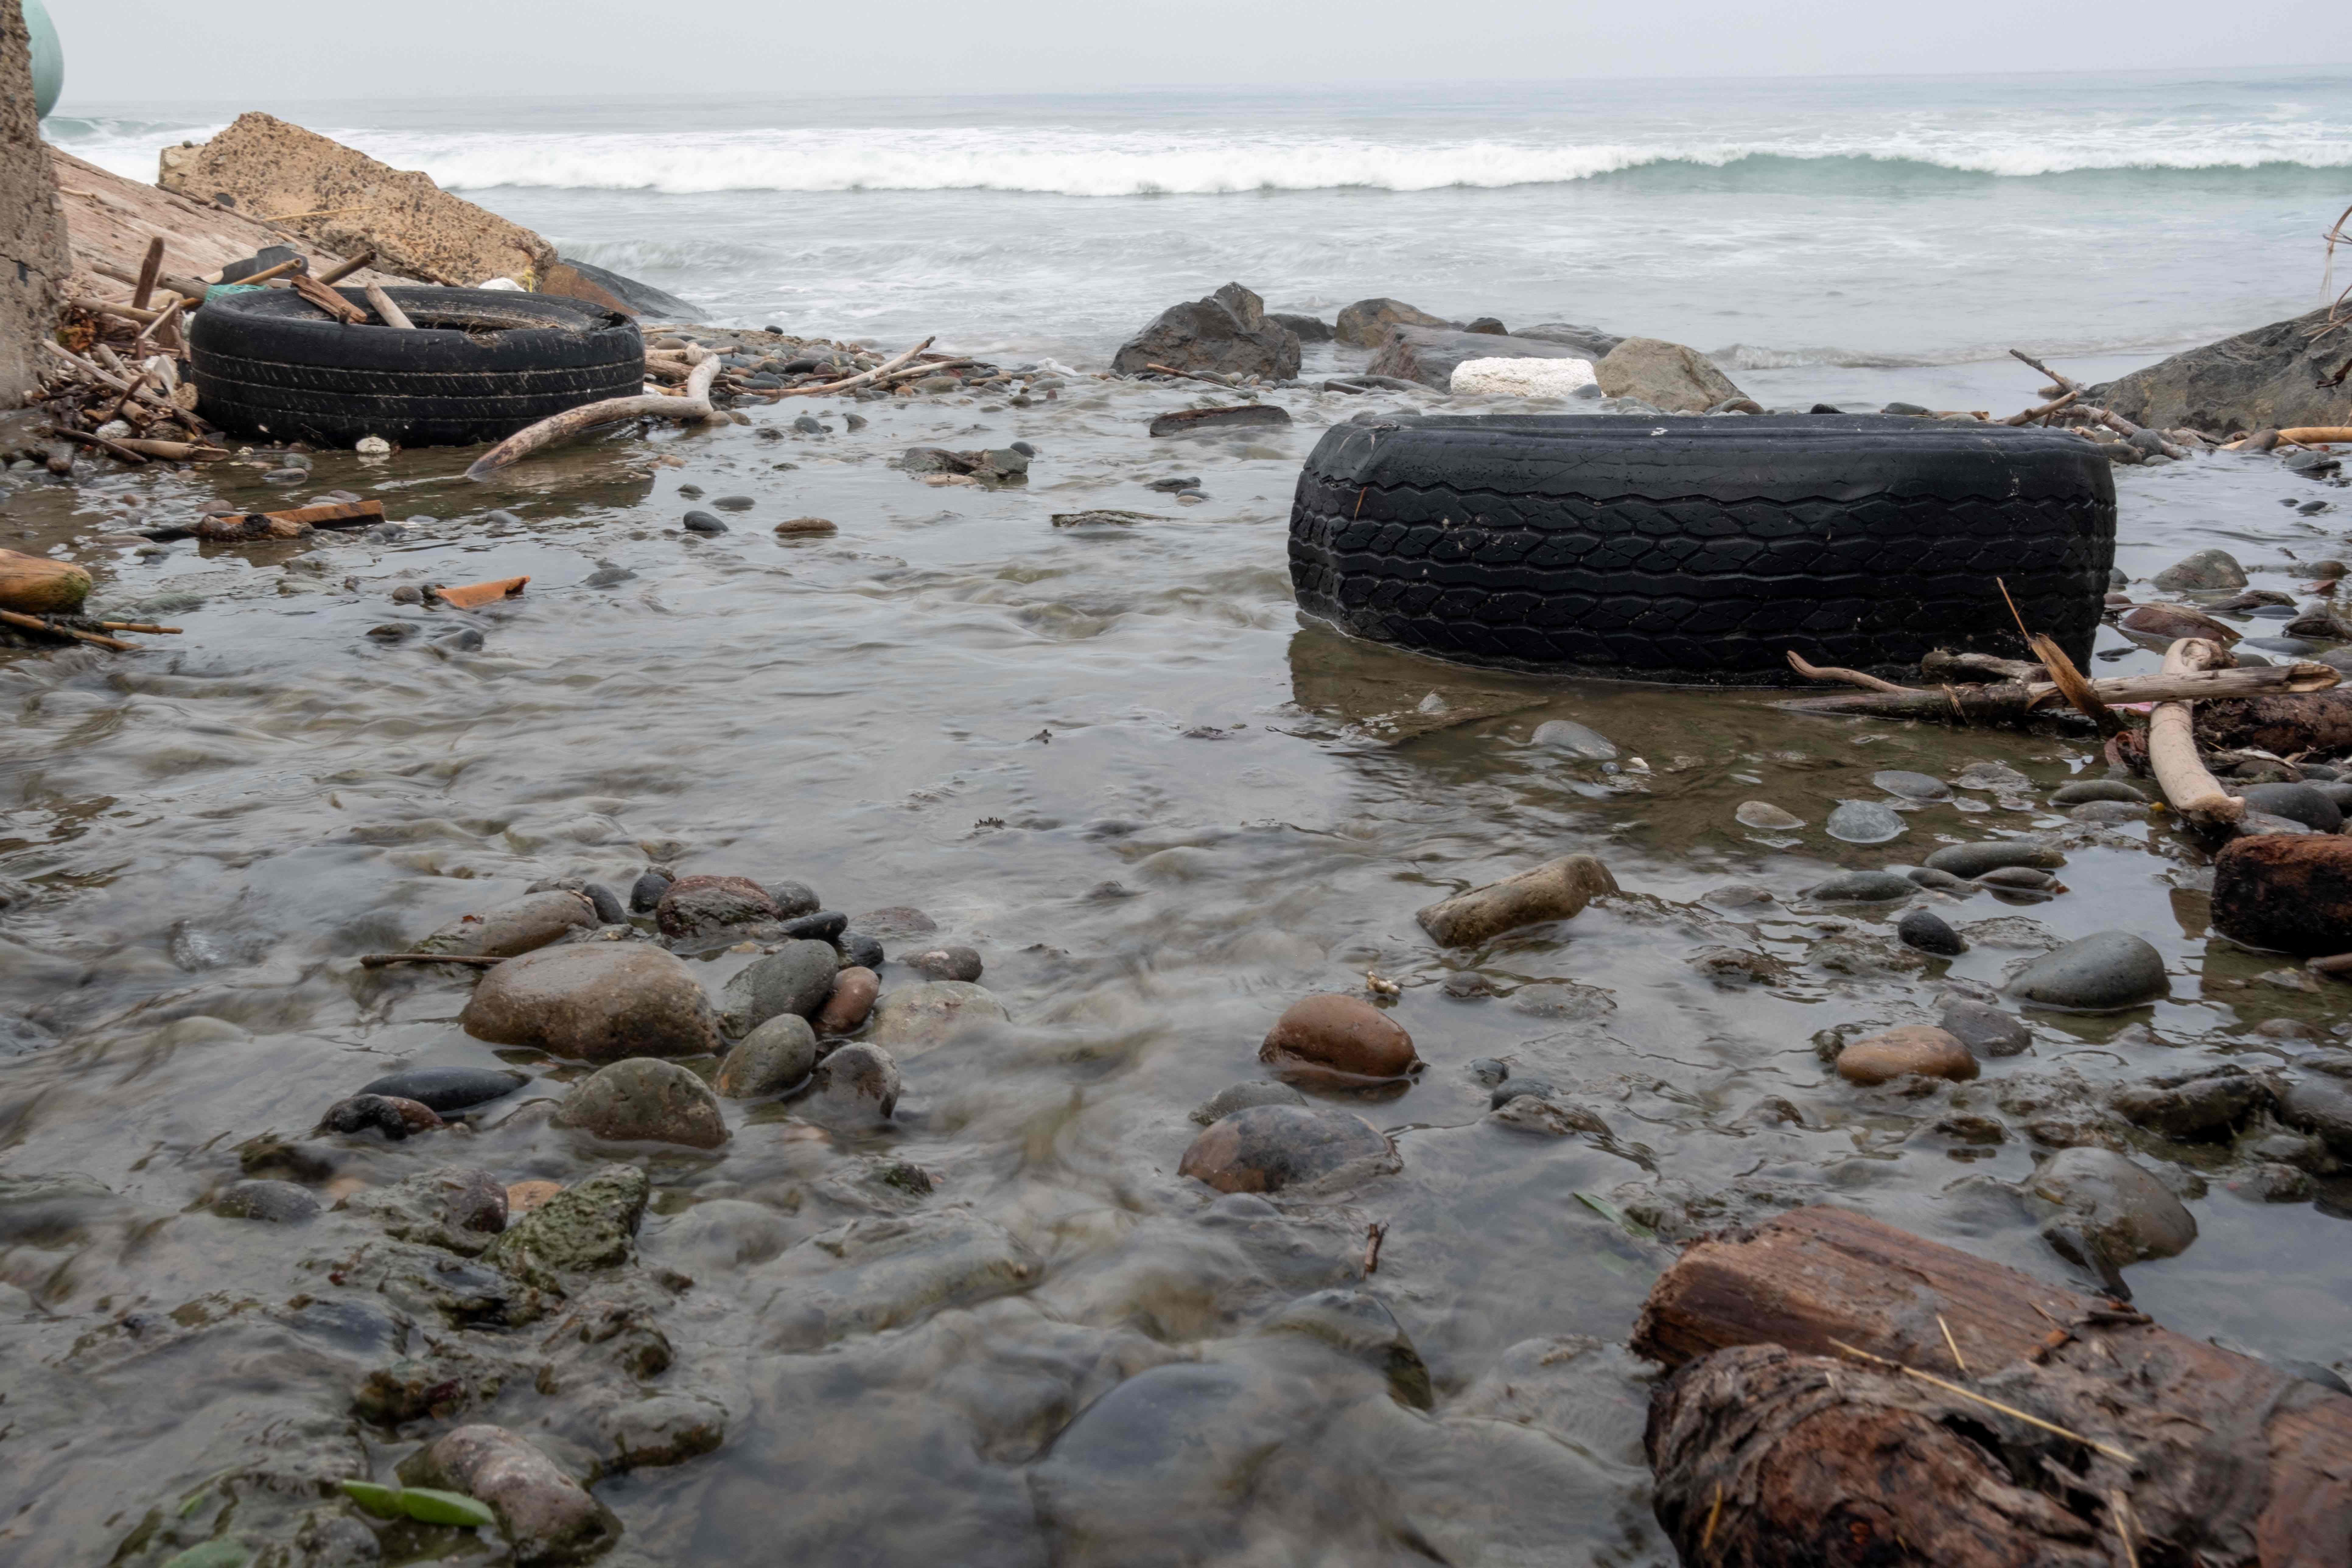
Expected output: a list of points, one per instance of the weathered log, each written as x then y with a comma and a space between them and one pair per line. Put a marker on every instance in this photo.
2009, 701
833, 388
1785, 1439
388, 310
2315, 725
695, 405
1944, 664
2188, 785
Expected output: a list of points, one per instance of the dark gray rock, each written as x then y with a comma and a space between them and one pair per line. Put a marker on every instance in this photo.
2202, 1106
2270, 378
1269, 1148
2096, 1198
704, 523
1242, 1096
1306, 329
796, 979
607, 904
1927, 930
2322, 1106
1939, 881
2086, 791
1226, 333
826, 925
1863, 886
273, 1203
734, 503
2295, 802
859, 951
944, 963
856, 1086
1911, 785
645, 892
644, 1099
1984, 1028
1210, 421
1589, 343
1991, 854
770, 1059
2102, 973
1429, 355
445, 1090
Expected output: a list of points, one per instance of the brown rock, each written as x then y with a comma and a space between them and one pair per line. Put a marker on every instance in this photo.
547, 1517
2285, 892
1551, 891
1267, 1148
348, 202
800, 525
598, 1002
1338, 1041
36, 584
524, 1196
854, 990
1665, 375
2169, 623
1365, 324
696, 905
513, 929
1919, 1048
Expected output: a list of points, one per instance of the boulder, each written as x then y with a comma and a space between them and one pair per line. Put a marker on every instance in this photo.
1338, 1042
596, 1002
1592, 343
1551, 891
546, 1516
1365, 323
1227, 333
1306, 328
645, 1099
582, 281
2285, 893
1267, 1148
2271, 378
1431, 355
1665, 375
348, 202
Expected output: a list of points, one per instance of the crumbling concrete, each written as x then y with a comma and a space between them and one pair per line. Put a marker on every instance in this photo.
33, 255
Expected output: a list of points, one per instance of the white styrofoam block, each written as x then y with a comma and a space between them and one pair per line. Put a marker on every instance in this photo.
1522, 377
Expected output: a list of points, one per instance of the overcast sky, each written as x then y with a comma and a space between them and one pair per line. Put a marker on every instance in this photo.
128, 49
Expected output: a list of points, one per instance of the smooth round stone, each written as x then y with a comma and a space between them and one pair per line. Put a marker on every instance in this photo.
645, 1099
394, 1118
524, 925
733, 503
899, 921
2321, 1106
1569, 736
1268, 1148
1991, 854
2108, 813
1927, 930
445, 1090
2204, 569
2084, 791
1765, 818
2102, 972
273, 1203
944, 963
2111, 1204
2295, 802
645, 892
594, 1002
1863, 886
826, 925
796, 978
2020, 879
1340, 1040
1738, 896
1912, 786
856, 1086
1865, 822
770, 1059
704, 523
796, 526
793, 900
694, 906
1985, 1029
1936, 881
607, 904
859, 951
852, 998
1241, 1097
933, 1013
1918, 1049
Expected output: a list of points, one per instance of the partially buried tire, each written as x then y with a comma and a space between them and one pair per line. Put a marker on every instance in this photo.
481, 365
1702, 549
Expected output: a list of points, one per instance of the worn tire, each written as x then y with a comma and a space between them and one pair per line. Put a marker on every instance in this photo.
484, 363
1701, 550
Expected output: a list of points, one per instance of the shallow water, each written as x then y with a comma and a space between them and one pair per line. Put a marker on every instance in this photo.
955, 705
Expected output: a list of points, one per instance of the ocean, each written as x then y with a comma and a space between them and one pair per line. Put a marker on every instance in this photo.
1834, 238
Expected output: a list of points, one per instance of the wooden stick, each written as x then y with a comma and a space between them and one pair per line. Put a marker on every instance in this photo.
266, 273
1816, 672
2010, 1410
2172, 757
383, 960
2106, 416
148, 271
1374, 1233
1957, 1360
391, 313
139, 626
34, 623
1188, 376
327, 299
192, 289
112, 448
695, 405
2010, 700
113, 307
342, 270
2317, 434
861, 379
2044, 412
163, 318
176, 451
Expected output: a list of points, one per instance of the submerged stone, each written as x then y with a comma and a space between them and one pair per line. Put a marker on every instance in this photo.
594, 1002
1914, 1048
1865, 822
2102, 972
2096, 1199
589, 1225
920, 1016
644, 1098
1555, 890
1268, 1148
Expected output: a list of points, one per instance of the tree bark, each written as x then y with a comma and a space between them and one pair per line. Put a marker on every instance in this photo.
1782, 1437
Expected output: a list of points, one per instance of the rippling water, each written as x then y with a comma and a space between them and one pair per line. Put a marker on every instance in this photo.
953, 704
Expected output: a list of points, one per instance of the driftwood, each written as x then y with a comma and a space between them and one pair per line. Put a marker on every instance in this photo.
2172, 755
2009, 701
50, 627
1944, 664
695, 405
387, 311
342, 270
323, 297
385, 960
1845, 1394
860, 379
2317, 724
2091, 412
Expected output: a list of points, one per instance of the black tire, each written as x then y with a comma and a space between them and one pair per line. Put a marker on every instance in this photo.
1702, 549
484, 363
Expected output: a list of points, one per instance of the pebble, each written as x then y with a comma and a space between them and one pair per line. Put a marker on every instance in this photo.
1863, 886
770, 1059
1914, 1048
2102, 972
796, 526
793, 900
2107, 813
2082, 791
1928, 932
273, 1203
1912, 786
1936, 881
796, 979
852, 998
857, 1085
734, 503
392, 1116
1337, 1041
594, 1002
1991, 854
2097, 1197
2295, 802
944, 963
1269, 1148
1986, 1030
859, 951
697, 906
898, 919
444, 1089
933, 1013
1557, 889
1865, 822
645, 1099
645, 892
704, 523
1763, 816
545, 1515
2283, 894
1569, 736
1242, 1096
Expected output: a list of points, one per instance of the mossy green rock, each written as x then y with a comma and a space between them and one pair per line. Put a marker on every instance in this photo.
589, 1225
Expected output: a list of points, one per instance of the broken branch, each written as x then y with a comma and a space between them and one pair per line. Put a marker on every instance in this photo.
2172, 757
695, 405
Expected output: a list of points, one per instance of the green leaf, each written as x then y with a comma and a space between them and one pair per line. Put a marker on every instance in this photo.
381, 1501
1617, 1217
445, 1508
211, 1554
